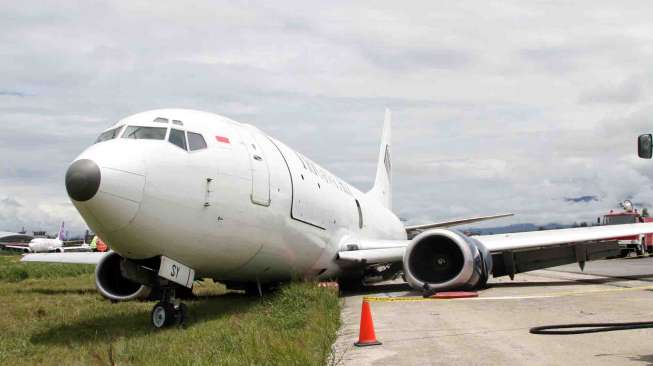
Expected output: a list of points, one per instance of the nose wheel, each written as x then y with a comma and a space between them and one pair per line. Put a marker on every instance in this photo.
168, 311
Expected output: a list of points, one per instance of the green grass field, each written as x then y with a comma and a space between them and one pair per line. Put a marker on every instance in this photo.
52, 315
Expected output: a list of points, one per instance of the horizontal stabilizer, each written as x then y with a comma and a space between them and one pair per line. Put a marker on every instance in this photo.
417, 228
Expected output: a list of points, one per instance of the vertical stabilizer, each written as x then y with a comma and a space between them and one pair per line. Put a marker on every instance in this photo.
382, 189
61, 236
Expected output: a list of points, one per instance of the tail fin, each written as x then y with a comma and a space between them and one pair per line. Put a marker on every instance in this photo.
382, 189
62, 235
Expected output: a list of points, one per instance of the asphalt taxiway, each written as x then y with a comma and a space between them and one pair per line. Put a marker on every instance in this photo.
493, 329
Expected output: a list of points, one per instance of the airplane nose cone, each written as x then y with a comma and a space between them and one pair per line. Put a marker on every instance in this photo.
83, 180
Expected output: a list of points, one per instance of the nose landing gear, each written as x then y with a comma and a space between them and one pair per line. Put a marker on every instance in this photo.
169, 311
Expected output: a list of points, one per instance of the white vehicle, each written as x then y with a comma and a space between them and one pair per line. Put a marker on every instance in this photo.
181, 194
47, 245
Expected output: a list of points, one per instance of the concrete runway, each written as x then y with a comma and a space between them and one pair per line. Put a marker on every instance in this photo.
493, 329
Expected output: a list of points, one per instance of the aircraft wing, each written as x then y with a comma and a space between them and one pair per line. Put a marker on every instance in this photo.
530, 239
77, 248
22, 248
517, 252
72, 258
416, 229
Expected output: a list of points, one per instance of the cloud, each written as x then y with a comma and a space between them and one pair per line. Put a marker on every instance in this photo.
627, 92
12, 93
505, 106
581, 199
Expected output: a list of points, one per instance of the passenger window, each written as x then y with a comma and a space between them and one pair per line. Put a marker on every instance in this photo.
109, 135
196, 141
178, 137
144, 133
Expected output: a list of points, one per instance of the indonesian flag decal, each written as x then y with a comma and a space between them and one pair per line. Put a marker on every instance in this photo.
223, 139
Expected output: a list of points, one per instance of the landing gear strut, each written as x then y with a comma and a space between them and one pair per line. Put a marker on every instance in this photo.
169, 311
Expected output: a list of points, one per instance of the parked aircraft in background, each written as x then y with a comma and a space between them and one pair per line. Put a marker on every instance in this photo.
181, 194
47, 245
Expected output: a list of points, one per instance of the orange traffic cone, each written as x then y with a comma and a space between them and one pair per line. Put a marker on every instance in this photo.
366, 337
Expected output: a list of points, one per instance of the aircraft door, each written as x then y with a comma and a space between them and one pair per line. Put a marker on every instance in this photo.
260, 171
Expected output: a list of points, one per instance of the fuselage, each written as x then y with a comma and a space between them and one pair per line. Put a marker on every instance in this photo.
221, 197
39, 245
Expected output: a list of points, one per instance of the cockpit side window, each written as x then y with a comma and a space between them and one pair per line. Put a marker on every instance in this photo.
109, 135
161, 120
144, 133
178, 137
196, 141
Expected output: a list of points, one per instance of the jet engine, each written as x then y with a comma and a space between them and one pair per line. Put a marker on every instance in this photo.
446, 259
113, 285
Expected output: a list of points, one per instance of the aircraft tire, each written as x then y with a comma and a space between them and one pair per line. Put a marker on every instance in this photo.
181, 314
163, 315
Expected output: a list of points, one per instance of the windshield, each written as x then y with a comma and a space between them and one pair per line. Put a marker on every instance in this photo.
196, 141
144, 133
620, 219
109, 135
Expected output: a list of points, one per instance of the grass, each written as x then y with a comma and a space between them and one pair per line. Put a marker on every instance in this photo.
63, 321
11, 270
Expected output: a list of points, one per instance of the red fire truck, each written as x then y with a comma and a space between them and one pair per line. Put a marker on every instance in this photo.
636, 243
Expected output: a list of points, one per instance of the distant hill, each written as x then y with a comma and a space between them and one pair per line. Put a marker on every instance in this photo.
514, 228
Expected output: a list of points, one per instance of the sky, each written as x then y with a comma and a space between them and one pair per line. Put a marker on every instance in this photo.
502, 106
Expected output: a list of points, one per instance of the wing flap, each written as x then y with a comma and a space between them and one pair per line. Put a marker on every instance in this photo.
71, 258
508, 263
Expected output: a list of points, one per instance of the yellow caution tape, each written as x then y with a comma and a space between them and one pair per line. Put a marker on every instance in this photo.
521, 297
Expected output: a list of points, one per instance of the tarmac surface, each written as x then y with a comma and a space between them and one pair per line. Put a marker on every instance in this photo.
493, 329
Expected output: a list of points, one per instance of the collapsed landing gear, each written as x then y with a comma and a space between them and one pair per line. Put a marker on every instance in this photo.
169, 311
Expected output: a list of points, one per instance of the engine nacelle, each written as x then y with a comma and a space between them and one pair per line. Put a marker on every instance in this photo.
111, 283
446, 259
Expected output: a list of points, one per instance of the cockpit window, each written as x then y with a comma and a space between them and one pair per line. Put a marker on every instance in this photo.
177, 122
161, 119
178, 137
109, 135
196, 141
144, 133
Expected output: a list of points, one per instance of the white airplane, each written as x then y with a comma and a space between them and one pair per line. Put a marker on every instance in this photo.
182, 194
47, 245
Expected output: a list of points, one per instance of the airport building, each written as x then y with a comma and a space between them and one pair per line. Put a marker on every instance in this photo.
14, 238
8, 237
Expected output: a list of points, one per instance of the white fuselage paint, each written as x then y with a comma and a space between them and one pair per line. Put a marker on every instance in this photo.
248, 209
44, 245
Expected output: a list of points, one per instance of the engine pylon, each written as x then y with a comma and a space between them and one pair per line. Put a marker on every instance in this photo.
366, 335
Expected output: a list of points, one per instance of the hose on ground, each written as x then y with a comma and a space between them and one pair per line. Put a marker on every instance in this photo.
582, 328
